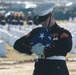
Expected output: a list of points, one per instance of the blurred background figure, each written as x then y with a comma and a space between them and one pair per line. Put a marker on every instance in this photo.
10, 19
74, 17
15, 20
2, 20
22, 18
29, 18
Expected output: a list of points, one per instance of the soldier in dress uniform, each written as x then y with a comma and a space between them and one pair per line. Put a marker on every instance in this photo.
9, 19
16, 20
13, 20
21, 21
29, 18
50, 42
3, 20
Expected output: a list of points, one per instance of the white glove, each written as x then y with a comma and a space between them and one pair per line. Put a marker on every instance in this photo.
38, 49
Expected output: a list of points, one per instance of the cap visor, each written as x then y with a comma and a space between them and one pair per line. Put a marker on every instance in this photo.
42, 18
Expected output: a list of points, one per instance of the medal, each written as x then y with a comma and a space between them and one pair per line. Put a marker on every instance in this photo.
56, 38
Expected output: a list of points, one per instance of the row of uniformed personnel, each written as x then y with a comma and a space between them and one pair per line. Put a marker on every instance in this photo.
12, 18
2, 18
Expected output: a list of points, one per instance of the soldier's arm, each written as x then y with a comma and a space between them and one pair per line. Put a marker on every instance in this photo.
22, 45
62, 47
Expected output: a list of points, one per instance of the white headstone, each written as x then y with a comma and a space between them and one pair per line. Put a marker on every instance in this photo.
2, 49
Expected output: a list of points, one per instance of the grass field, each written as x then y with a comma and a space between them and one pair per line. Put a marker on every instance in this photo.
13, 55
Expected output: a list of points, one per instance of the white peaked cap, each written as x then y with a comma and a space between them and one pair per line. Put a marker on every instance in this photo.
44, 9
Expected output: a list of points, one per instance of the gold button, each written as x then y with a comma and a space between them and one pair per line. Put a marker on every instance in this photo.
56, 38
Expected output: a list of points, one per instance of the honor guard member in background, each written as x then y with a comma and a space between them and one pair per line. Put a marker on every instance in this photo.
13, 19
9, 19
29, 18
50, 42
21, 21
16, 20
3, 20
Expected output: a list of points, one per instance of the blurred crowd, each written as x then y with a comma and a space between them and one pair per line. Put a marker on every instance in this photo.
13, 19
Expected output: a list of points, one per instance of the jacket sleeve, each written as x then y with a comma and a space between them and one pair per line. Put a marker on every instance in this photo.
22, 45
62, 47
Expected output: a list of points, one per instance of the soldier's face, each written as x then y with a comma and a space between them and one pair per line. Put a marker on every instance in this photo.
49, 22
45, 22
